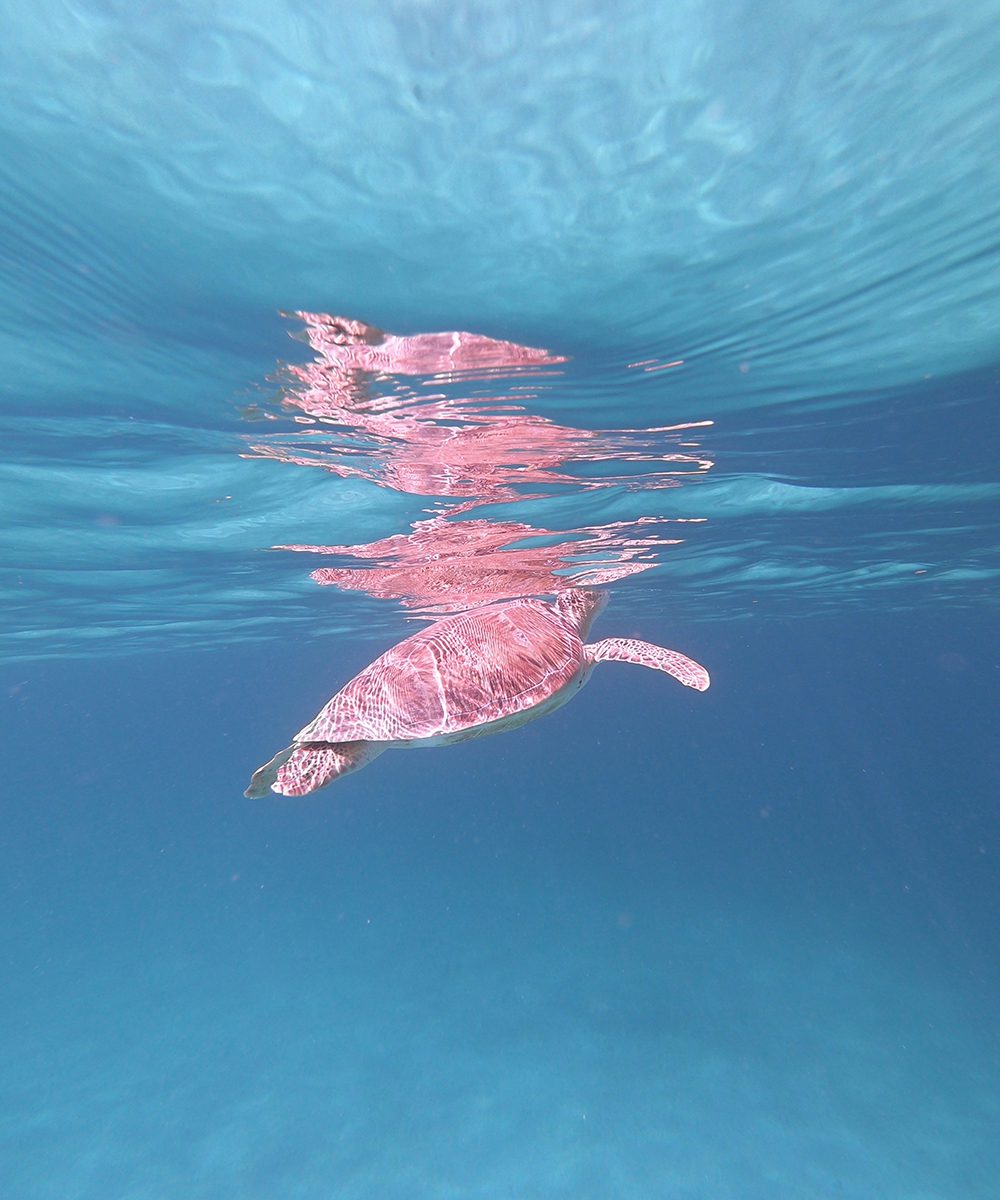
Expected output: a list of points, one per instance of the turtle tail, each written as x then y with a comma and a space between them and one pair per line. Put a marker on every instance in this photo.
307, 766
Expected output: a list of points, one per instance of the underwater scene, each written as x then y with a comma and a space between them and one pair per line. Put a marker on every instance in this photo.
500, 565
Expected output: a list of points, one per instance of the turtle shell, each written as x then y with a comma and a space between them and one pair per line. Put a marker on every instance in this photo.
462, 672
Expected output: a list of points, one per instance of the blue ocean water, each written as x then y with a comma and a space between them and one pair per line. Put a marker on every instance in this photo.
735, 945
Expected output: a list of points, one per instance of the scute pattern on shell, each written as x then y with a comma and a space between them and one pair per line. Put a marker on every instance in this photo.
458, 673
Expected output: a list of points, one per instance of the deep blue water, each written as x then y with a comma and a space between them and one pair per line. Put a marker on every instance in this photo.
725, 946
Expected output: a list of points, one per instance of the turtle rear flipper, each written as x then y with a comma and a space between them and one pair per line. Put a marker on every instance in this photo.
306, 767
263, 777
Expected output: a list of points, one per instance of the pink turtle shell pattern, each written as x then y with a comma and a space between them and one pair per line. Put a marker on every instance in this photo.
461, 672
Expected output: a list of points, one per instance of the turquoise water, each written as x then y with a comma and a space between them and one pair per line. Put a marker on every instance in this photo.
660, 944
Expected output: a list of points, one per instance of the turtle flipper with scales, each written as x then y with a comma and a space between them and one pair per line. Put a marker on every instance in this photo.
466, 676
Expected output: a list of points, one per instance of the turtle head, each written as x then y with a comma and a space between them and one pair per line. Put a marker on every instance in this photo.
345, 331
579, 606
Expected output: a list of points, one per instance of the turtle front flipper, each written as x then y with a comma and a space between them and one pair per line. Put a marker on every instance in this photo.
644, 654
306, 767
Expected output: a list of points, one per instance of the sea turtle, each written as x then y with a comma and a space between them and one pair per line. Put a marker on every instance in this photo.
465, 676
